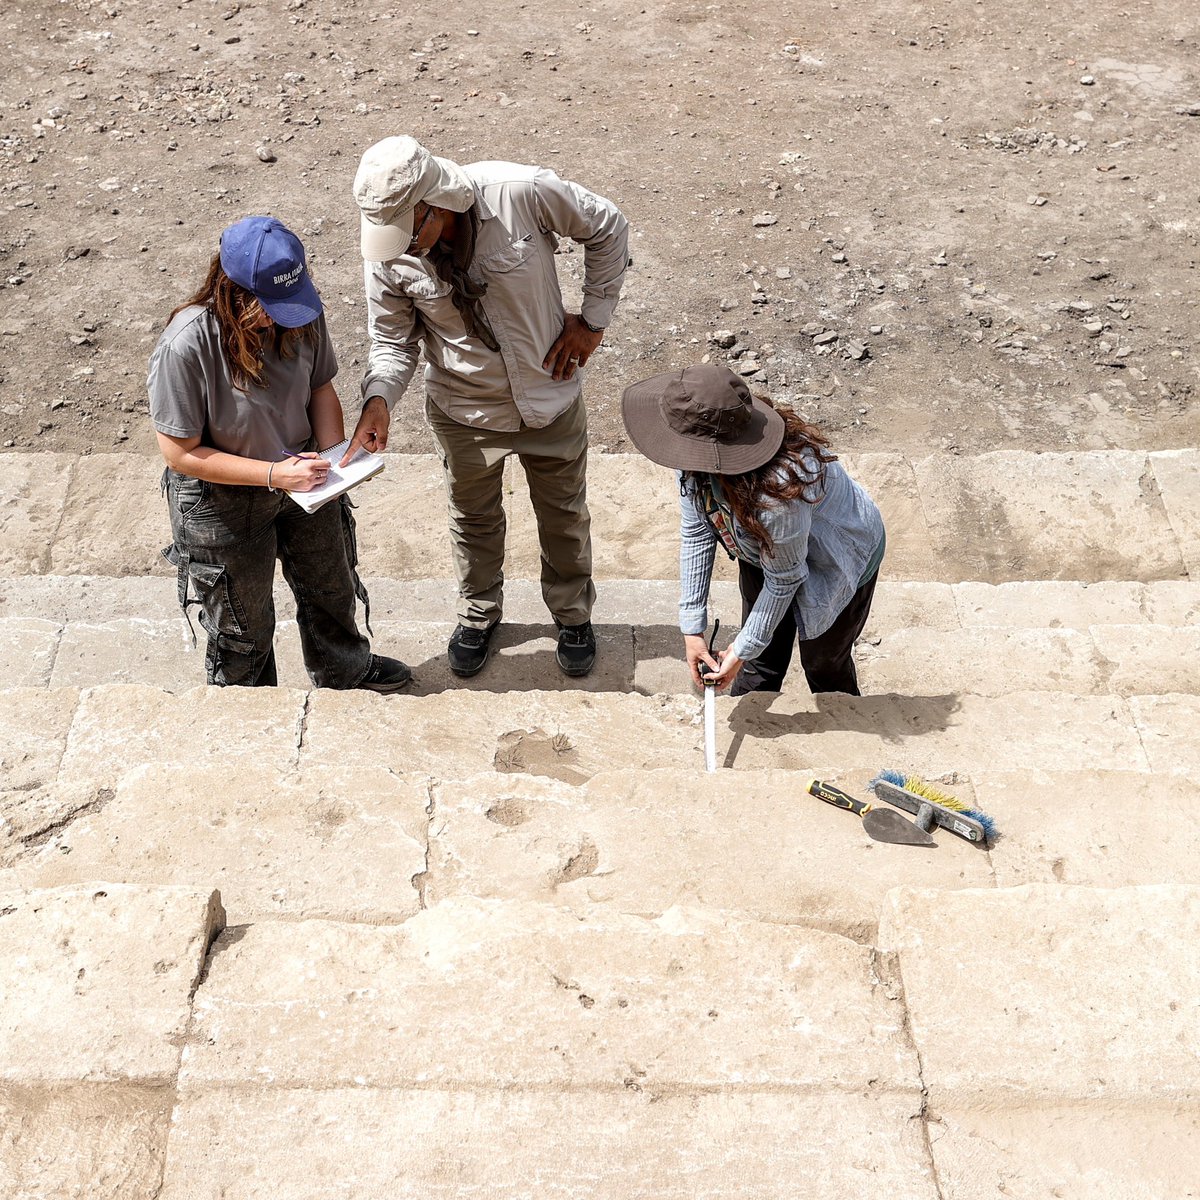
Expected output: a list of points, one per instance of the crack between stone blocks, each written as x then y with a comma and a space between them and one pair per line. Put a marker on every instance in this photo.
52, 540
1137, 728
895, 972
302, 727
420, 880
58, 641
1158, 495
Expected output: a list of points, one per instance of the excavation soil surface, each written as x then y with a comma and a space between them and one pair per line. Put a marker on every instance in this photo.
946, 226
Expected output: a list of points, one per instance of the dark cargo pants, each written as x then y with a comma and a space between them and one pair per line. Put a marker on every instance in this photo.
226, 541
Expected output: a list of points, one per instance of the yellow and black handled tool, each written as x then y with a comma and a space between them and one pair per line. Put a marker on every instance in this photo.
882, 824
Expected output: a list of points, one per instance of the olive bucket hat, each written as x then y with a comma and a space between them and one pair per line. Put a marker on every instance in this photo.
701, 418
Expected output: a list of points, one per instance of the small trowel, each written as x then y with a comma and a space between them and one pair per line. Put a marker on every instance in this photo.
882, 824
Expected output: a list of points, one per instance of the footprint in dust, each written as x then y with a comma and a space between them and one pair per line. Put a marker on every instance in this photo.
535, 752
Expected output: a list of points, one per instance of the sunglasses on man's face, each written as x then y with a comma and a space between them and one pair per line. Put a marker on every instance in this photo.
416, 233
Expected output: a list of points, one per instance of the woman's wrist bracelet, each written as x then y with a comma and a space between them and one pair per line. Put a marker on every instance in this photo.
269, 470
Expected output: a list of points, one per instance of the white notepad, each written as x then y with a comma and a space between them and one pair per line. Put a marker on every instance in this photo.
363, 466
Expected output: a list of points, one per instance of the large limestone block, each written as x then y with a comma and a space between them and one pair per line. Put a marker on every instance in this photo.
929, 734
158, 653
1016, 515
477, 994
1081, 1153
1172, 602
96, 980
31, 506
27, 648
985, 661
1053, 604
893, 485
343, 843
95, 598
409, 1145
1150, 660
1178, 475
568, 734
644, 842
1092, 828
102, 1141
1046, 994
901, 604
33, 733
115, 519
401, 520
124, 725
1170, 731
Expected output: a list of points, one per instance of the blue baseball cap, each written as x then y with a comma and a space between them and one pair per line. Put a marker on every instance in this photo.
266, 258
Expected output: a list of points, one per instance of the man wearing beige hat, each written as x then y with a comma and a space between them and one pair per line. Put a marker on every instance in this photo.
460, 263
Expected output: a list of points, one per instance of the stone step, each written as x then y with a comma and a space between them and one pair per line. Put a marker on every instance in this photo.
365, 844
1123, 660
1007, 515
65, 735
1059, 994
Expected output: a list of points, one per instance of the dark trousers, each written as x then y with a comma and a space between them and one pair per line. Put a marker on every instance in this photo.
226, 541
827, 662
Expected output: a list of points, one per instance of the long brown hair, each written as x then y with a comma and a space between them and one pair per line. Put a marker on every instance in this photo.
238, 311
784, 478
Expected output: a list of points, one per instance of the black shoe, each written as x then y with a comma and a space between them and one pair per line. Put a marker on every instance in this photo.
469, 649
576, 653
386, 675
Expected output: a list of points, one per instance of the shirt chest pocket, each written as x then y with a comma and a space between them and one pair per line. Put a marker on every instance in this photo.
508, 258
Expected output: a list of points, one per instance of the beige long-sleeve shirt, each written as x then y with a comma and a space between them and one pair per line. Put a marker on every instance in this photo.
521, 212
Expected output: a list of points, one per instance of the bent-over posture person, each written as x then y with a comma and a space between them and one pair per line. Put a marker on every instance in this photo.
460, 263
241, 392
760, 481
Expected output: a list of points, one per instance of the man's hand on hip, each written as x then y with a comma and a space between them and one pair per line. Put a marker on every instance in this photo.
371, 432
575, 345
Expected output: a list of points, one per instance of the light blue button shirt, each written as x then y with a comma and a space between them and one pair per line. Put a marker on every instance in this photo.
821, 552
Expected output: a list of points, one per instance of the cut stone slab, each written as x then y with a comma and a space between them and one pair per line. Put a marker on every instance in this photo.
565, 734
439, 1144
102, 1141
134, 650
930, 734
114, 520
1178, 475
31, 507
343, 844
646, 841
33, 733
94, 598
125, 725
1172, 602
900, 604
985, 661
1086, 516
96, 981
1170, 731
893, 485
1091, 828
1051, 995
1054, 604
1081, 1153
485, 995
1150, 660
27, 648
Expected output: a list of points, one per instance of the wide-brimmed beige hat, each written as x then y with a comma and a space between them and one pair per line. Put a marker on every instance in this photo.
393, 177
701, 418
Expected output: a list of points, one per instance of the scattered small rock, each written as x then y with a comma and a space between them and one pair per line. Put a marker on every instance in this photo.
1188, 110
763, 219
856, 350
723, 338
783, 272
265, 154
728, 305
812, 329
1080, 306
1094, 328
876, 329
1087, 80
839, 257
824, 339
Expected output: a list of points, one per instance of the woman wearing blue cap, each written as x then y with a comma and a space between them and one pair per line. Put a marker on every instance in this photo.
241, 388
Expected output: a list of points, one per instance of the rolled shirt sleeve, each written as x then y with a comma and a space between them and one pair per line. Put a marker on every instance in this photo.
394, 330
784, 571
697, 553
572, 211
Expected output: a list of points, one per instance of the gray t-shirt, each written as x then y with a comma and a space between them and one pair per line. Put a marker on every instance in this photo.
192, 393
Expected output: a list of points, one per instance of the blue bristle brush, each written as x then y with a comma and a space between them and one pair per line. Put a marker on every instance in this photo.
931, 806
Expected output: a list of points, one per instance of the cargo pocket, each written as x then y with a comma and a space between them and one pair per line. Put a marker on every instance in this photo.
350, 536
231, 656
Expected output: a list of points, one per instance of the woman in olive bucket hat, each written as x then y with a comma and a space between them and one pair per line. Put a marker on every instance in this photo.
760, 480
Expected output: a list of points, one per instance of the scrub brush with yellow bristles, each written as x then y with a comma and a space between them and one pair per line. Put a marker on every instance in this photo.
931, 806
